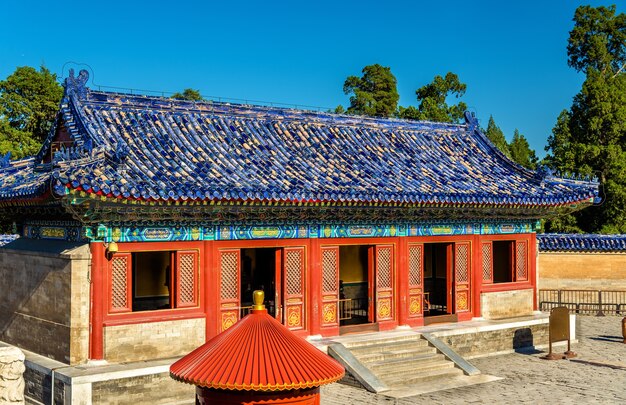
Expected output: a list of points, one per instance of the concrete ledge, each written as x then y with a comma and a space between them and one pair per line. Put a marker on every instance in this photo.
352, 365
451, 355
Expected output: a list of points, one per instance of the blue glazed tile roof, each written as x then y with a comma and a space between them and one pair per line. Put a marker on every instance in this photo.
4, 239
581, 242
159, 149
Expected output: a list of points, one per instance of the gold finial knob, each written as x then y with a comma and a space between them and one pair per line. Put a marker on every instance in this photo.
258, 296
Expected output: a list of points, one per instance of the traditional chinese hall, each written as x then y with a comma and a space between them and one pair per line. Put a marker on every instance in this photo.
146, 222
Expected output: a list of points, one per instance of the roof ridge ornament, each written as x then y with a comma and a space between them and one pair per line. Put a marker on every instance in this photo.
471, 120
76, 86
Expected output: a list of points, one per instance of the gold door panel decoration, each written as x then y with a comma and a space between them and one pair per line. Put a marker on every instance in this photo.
294, 276
384, 282
230, 270
329, 313
330, 285
462, 276
416, 276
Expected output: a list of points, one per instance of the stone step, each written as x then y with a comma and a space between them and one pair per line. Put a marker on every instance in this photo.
380, 347
367, 341
401, 380
411, 363
410, 371
391, 355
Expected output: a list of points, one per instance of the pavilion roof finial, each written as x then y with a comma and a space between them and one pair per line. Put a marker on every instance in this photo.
258, 296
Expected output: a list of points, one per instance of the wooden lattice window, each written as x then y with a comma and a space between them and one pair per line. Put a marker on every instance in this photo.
229, 270
487, 263
461, 263
330, 280
508, 261
415, 264
153, 280
120, 283
383, 264
187, 279
521, 265
293, 270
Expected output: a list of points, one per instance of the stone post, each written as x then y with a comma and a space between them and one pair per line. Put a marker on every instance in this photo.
11, 376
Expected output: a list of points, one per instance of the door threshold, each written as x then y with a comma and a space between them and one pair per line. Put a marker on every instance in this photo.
361, 328
429, 320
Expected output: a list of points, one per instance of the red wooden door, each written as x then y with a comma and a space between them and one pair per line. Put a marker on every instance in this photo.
293, 287
384, 282
416, 279
230, 272
450, 284
330, 285
462, 276
371, 286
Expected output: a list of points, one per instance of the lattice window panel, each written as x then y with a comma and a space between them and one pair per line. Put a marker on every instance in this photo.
329, 270
521, 268
187, 286
229, 269
383, 266
293, 269
461, 260
119, 283
487, 266
415, 264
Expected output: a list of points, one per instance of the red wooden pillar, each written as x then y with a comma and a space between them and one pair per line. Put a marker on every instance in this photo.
211, 290
477, 273
98, 265
315, 287
403, 282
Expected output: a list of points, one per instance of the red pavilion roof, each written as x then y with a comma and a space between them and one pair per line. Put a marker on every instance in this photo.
257, 353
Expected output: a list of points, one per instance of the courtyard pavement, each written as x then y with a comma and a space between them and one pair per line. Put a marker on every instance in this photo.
596, 376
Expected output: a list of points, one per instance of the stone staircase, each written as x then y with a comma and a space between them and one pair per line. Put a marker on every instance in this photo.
403, 360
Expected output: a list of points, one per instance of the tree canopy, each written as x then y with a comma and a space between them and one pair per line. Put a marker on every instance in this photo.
590, 137
188, 94
496, 136
432, 104
29, 101
374, 94
521, 151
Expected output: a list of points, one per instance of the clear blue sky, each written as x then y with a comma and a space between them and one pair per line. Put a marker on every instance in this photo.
511, 55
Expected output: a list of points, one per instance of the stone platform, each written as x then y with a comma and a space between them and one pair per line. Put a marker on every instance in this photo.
148, 382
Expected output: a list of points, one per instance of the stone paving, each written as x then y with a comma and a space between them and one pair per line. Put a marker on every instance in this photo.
596, 376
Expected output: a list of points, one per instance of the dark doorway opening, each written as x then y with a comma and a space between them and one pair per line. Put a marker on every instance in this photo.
258, 272
355, 289
437, 278
152, 281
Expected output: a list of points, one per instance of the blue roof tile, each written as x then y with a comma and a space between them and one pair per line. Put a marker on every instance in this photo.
155, 148
552, 242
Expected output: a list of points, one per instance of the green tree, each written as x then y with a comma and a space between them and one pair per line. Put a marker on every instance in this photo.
432, 101
496, 136
374, 94
521, 151
29, 101
590, 138
188, 94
